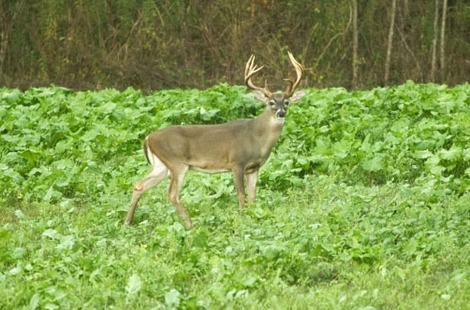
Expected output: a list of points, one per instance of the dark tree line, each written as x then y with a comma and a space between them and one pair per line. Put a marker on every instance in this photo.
150, 44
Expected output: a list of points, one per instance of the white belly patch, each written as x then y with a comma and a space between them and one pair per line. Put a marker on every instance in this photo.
194, 168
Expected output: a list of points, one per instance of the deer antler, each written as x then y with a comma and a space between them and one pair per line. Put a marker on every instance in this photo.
298, 70
250, 70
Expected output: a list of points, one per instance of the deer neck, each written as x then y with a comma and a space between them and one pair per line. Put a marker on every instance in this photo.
268, 128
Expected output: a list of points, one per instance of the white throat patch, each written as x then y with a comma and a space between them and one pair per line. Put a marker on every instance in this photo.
278, 120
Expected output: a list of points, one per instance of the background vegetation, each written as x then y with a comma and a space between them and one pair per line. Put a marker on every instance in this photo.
89, 44
362, 205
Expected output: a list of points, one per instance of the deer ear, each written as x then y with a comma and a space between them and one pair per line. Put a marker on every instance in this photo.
297, 95
259, 95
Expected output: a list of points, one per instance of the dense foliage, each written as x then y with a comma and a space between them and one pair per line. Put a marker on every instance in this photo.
363, 203
150, 44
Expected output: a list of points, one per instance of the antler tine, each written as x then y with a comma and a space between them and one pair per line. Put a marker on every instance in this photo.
290, 83
250, 70
249, 67
299, 72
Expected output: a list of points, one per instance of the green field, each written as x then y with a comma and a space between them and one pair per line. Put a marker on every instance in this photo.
363, 204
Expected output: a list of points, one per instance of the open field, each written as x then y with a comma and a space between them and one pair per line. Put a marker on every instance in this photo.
363, 204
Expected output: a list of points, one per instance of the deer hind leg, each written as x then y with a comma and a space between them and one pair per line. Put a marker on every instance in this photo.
177, 177
158, 174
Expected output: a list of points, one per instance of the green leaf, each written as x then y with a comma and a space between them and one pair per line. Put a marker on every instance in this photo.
18, 253
108, 108
423, 154
452, 154
52, 234
172, 298
34, 302
134, 285
90, 135
272, 252
374, 164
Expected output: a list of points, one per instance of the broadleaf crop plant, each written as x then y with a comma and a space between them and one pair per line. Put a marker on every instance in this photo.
363, 204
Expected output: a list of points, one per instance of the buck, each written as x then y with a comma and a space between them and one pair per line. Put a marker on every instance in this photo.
240, 146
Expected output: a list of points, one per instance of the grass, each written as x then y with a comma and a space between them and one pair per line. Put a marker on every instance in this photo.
326, 245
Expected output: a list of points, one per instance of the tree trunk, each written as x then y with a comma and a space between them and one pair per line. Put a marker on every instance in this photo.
390, 42
443, 28
355, 60
434, 41
6, 24
406, 9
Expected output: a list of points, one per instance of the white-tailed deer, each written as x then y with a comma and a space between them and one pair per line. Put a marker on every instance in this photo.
240, 146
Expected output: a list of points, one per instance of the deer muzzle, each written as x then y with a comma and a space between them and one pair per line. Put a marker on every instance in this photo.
281, 113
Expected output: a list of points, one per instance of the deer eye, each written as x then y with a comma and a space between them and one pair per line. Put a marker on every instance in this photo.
272, 103
286, 102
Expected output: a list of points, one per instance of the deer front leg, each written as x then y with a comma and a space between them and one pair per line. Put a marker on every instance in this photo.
251, 179
238, 177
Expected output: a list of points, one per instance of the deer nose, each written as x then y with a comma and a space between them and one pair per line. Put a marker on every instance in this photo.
281, 113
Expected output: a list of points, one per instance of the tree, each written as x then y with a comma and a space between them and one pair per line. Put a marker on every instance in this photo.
8, 14
434, 41
390, 42
355, 59
443, 28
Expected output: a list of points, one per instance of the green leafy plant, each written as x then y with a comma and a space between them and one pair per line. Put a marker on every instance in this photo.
363, 199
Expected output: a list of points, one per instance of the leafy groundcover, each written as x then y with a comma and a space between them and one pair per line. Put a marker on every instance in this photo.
363, 204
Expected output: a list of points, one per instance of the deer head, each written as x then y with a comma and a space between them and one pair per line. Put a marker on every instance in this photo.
278, 101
